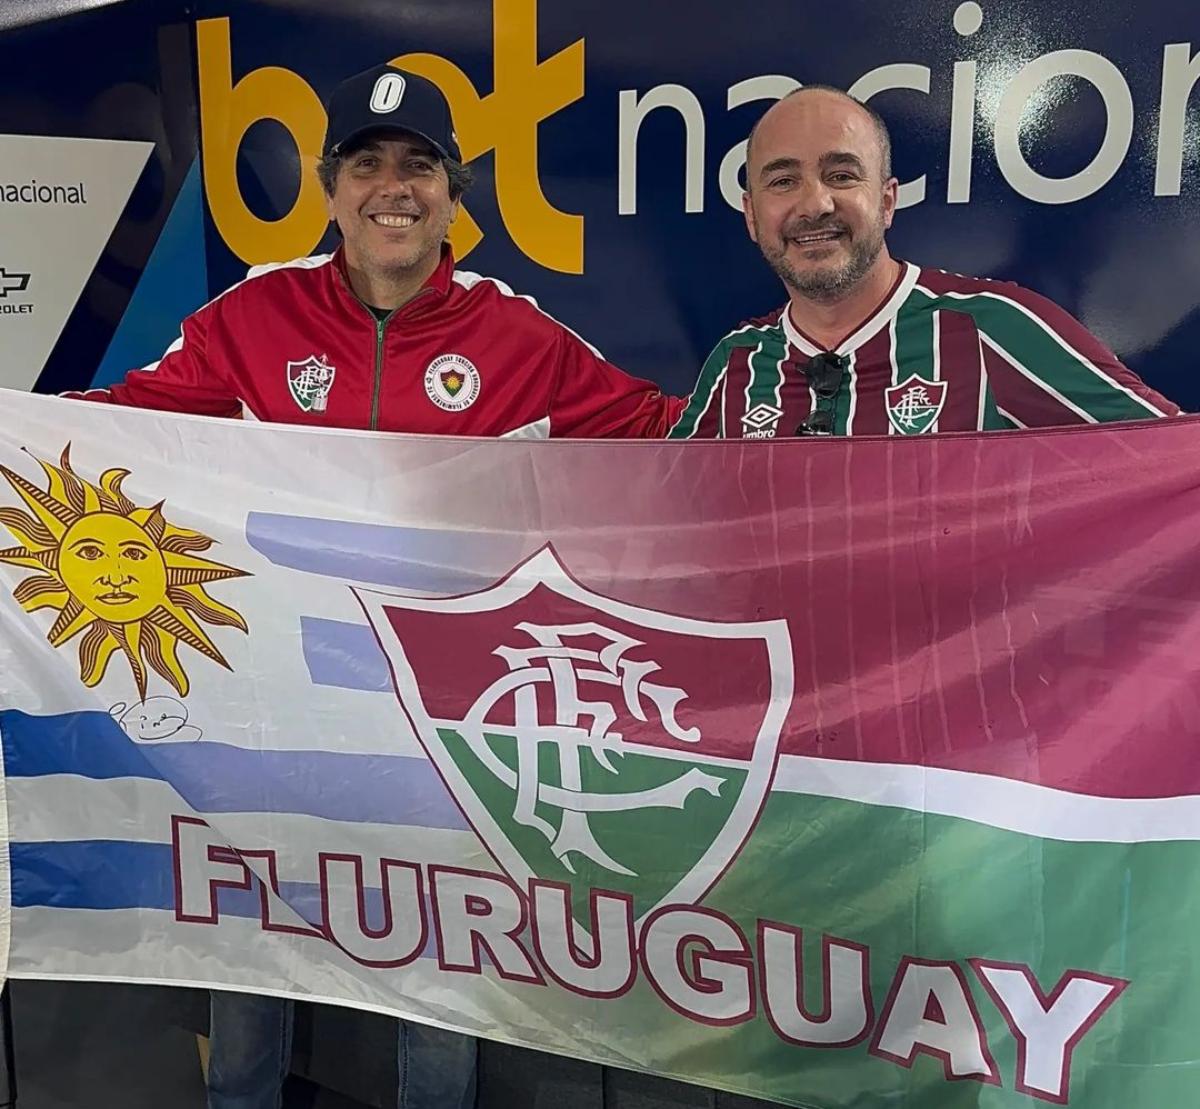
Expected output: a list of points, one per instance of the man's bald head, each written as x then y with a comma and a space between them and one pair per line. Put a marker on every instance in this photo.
793, 102
820, 194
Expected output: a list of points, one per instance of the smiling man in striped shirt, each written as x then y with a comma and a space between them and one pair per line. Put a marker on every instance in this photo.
868, 344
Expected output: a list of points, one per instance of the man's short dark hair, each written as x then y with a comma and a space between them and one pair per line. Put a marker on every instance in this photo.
460, 176
881, 129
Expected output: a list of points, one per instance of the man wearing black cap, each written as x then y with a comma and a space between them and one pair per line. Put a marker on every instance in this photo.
383, 334
393, 241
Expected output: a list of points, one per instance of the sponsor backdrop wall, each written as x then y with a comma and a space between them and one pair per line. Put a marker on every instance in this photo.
150, 152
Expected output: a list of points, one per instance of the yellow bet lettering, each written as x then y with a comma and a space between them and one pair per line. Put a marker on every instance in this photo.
227, 111
525, 92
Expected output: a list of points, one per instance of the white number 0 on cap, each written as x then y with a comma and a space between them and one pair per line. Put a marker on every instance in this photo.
386, 95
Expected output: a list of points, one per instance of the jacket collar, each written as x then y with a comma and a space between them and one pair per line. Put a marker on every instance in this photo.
432, 293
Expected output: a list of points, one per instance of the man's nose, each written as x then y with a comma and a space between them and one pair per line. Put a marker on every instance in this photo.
396, 182
812, 200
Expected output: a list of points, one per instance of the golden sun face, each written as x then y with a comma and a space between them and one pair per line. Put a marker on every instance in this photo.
119, 574
112, 567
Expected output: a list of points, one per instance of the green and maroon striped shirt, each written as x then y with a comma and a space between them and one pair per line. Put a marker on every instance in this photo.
942, 353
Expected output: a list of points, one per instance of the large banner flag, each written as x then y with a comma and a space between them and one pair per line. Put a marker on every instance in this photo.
844, 773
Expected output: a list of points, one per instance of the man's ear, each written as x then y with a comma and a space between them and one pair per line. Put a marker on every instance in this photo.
748, 213
890, 192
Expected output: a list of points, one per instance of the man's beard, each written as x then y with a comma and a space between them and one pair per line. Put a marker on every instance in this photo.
824, 283
400, 269
387, 266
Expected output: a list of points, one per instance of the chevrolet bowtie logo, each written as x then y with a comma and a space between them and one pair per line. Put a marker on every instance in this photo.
12, 282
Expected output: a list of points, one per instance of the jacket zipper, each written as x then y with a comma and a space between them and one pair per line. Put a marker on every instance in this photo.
380, 325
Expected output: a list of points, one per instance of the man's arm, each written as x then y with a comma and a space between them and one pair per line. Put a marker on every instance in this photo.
1046, 369
596, 400
183, 380
702, 416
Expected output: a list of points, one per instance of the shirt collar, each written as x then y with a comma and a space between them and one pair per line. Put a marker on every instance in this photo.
868, 329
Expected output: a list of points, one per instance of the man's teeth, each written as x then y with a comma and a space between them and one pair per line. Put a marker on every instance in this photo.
818, 237
393, 219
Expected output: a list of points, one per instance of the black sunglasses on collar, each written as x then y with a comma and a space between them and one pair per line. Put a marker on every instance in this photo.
824, 373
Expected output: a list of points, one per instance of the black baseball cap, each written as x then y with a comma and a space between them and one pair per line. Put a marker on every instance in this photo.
385, 98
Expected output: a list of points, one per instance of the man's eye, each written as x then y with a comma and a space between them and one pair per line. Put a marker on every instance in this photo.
783, 182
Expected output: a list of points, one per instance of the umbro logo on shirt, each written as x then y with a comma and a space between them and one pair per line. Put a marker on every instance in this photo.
760, 422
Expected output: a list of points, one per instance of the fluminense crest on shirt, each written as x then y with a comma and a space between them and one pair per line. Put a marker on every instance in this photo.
452, 382
914, 405
310, 381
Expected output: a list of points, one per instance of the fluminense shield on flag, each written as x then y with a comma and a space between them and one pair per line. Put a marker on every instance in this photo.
915, 404
588, 741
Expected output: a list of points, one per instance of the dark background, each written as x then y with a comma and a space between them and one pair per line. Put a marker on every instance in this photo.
661, 286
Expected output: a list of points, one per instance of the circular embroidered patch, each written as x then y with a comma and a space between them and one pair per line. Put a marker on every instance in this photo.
452, 382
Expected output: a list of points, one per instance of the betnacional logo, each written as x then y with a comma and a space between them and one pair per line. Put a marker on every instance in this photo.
998, 111
525, 91
39, 192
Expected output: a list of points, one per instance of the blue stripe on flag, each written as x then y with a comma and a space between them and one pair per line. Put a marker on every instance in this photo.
344, 655
92, 874
216, 777
104, 874
407, 558
90, 744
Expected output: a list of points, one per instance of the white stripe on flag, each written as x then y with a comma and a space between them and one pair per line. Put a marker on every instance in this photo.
996, 802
